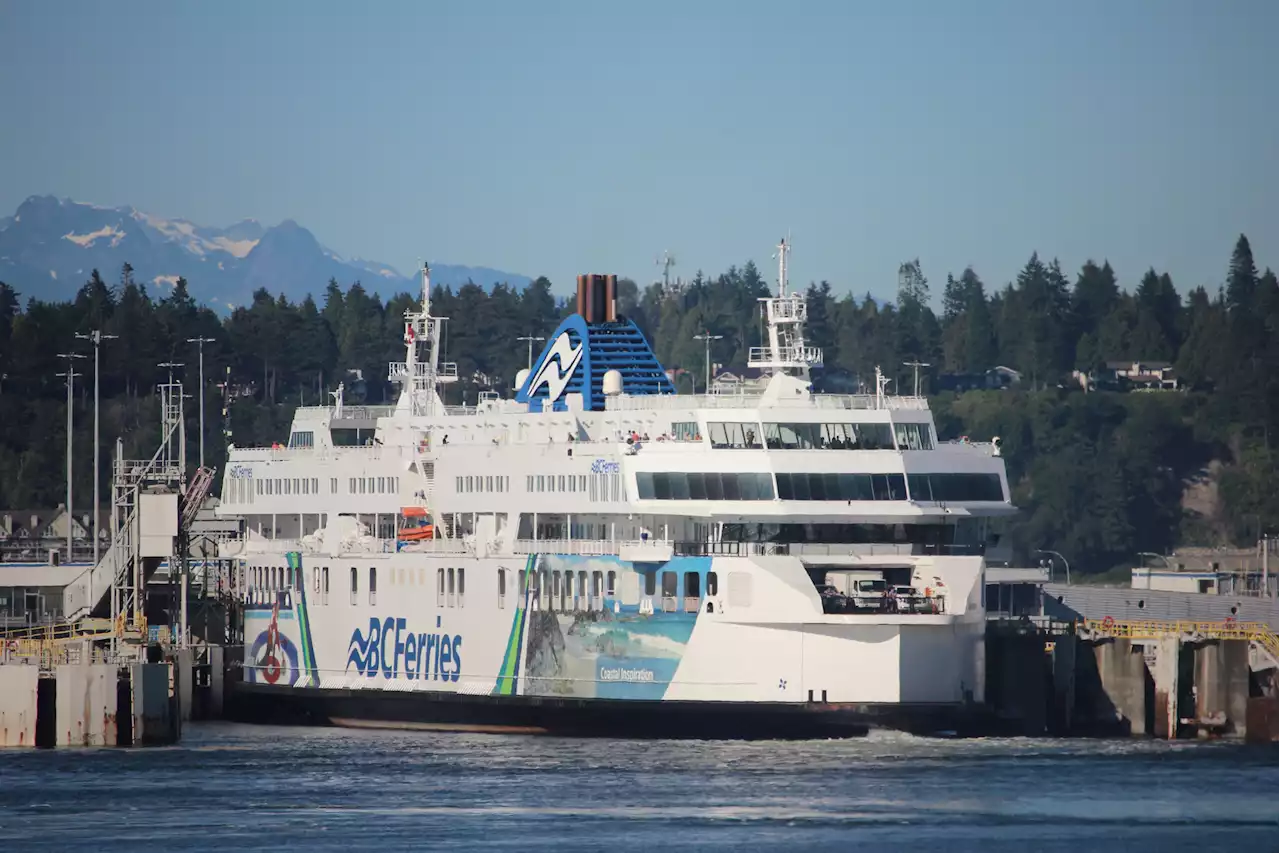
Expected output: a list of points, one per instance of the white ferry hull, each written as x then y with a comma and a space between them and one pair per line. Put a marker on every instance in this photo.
625, 663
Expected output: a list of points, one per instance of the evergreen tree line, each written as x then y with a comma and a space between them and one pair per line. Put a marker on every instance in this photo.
1098, 476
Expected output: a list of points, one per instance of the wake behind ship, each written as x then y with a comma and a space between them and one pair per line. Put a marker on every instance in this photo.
603, 556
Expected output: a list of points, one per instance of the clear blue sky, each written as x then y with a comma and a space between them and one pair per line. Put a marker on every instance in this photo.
556, 138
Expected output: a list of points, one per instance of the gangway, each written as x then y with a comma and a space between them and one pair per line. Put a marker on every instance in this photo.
114, 587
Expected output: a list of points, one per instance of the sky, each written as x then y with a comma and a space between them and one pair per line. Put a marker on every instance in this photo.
557, 138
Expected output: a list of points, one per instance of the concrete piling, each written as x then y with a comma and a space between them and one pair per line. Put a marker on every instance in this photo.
18, 703
153, 718
86, 705
1123, 678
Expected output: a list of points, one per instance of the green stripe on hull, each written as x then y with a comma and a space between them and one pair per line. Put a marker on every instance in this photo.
507, 676
294, 559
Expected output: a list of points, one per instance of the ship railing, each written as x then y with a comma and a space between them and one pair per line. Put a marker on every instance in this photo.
591, 547
349, 413
282, 453
669, 604
692, 603
751, 400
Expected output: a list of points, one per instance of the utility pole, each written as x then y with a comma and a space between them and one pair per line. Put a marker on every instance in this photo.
171, 365
531, 339
201, 342
71, 378
707, 338
916, 365
96, 338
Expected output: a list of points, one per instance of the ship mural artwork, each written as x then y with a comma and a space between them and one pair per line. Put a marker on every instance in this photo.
602, 555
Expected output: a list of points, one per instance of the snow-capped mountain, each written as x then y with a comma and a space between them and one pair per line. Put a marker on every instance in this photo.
49, 247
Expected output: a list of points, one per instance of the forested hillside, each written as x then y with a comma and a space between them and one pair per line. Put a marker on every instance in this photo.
1098, 475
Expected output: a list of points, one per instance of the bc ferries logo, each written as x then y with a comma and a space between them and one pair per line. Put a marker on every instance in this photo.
273, 655
389, 649
556, 369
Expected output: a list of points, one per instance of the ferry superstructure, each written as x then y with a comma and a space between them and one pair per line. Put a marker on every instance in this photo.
603, 555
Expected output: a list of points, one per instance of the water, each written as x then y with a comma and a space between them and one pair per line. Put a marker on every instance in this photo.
229, 787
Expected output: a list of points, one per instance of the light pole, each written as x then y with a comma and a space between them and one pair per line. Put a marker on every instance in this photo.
707, 338
531, 339
915, 366
71, 378
1060, 557
201, 342
96, 338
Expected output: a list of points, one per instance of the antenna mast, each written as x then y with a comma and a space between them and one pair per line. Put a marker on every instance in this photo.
420, 378
786, 314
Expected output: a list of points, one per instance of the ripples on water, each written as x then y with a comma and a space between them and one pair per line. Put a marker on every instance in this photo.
231, 787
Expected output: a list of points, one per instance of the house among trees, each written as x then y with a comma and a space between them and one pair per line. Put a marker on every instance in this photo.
1129, 375
29, 534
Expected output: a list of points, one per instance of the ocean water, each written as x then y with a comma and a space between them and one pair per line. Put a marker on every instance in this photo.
230, 788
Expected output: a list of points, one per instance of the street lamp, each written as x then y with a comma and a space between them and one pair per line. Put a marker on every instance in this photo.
1060, 557
916, 365
201, 342
1144, 563
96, 338
531, 339
71, 378
706, 339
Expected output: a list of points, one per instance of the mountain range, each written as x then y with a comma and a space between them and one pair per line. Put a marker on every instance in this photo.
49, 247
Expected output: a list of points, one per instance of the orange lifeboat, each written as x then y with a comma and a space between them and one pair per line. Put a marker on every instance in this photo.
415, 525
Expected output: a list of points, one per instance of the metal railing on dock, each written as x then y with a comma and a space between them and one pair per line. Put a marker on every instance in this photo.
1156, 629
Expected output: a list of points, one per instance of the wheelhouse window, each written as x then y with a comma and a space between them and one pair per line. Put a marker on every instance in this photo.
734, 435
828, 436
913, 436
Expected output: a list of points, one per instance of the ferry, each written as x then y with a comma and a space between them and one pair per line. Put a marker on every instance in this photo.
600, 555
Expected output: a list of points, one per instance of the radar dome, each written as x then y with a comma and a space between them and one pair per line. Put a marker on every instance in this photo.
612, 383
521, 375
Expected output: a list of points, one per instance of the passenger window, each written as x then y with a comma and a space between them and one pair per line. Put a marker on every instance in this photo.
373, 585
452, 586
713, 584
355, 584
439, 587
650, 583
462, 585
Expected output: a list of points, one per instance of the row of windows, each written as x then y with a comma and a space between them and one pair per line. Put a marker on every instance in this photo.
487, 483
807, 436
302, 439
373, 485
555, 482
682, 486
554, 590
287, 486
679, 486
242, 490
842, 487
828, 437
